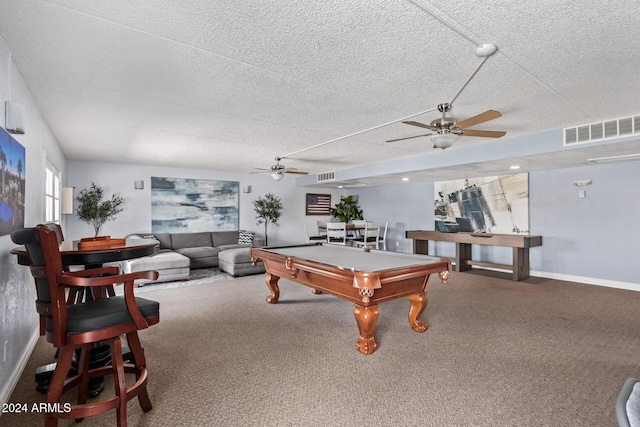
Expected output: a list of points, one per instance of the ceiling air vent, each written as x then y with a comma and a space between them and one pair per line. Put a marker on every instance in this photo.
601, 130
326, 176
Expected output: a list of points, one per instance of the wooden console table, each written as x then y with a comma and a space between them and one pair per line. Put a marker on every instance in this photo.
463, 240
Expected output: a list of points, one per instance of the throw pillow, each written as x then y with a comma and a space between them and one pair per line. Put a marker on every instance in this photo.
245, 237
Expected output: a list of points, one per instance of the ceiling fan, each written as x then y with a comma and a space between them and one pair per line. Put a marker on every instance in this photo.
446, 129
277, 171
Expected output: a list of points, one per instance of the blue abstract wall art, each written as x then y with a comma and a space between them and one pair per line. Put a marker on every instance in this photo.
191, 205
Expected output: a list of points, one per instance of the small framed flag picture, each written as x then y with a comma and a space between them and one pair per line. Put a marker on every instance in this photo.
318, 204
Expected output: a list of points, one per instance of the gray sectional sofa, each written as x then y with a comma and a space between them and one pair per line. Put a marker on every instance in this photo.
178, 253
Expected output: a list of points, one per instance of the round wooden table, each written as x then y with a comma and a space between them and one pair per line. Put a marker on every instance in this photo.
91, 258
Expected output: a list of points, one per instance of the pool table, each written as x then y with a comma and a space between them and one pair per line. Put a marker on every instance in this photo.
365, 277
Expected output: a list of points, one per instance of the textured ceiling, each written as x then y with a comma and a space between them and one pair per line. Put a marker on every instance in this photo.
230, 85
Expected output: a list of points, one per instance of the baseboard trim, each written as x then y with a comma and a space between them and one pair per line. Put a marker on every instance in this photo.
588, 280
7, 389
571, 278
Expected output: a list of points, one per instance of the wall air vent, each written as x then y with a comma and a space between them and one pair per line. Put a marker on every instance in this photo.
326, 176
602, 130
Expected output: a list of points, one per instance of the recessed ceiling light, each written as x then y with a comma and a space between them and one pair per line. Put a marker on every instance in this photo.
515, 167
405, 179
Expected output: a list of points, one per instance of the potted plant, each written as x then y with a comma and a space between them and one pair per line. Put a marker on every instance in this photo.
269, 210
94, 211
347, 209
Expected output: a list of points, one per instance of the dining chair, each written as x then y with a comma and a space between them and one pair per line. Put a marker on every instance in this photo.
322, 227
337, 233
313, 238
369, 236
100, 317
57, 228
383, 239
358, 227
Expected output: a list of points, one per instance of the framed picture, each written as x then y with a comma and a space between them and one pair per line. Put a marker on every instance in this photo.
191, 205
12, 187
318, 204
492, 204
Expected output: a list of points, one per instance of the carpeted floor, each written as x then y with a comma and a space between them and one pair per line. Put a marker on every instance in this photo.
497, 353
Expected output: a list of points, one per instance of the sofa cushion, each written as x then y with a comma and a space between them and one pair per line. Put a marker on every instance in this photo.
237, 255
164, 239
199, 252
201, 257
191, 240
232, 246
163, 259
221, 238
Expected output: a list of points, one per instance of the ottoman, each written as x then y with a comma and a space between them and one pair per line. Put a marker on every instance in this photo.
237, 262
169, 265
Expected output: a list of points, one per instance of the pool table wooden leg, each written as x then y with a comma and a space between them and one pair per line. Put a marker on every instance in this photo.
272, 284
418, 304
366, 317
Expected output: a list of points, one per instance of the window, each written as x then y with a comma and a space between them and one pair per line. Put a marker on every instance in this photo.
52, 189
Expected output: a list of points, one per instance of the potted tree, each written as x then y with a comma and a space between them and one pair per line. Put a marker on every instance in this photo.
94, 211
347, 209
269, 210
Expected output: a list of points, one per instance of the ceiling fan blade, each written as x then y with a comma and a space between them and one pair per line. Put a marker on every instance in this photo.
262, 171
483, 133
409, 137
421, 125
294, 170
480, 118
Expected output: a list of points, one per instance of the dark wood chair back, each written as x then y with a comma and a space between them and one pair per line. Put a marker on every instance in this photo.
30, 238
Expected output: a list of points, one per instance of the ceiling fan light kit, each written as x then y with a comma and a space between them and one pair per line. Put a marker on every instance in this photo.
443, 140
277, 175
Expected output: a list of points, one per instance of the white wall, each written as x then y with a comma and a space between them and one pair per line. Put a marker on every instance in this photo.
407, 206
136, 216
595, 236
18, 319
587, 239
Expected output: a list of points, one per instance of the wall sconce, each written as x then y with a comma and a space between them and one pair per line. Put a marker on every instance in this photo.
14, 117
66, 200
138, 185
246, 189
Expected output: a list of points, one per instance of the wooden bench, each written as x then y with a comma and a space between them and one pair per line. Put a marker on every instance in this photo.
463, 240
